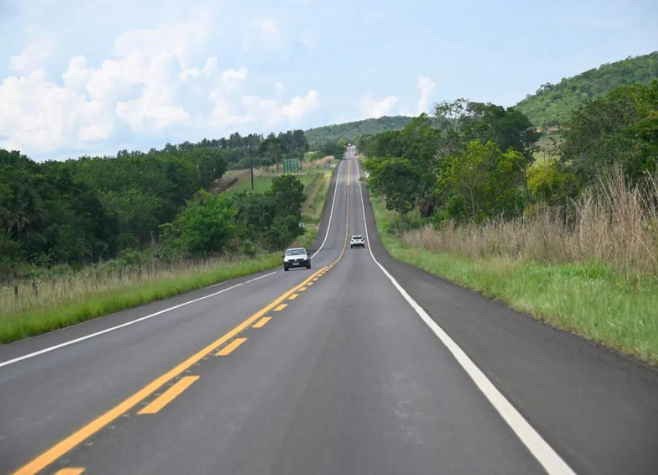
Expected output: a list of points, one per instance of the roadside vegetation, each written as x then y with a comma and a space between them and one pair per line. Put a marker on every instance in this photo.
85, 238
571, 239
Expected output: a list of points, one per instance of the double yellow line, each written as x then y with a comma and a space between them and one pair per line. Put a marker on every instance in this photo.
64, 446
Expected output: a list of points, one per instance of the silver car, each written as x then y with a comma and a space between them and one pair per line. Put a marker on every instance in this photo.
357, 241
296, 257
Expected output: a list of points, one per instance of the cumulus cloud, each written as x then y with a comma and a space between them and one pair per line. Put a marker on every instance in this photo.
32, 56
427, 88
149, 87
301, 106
372, 109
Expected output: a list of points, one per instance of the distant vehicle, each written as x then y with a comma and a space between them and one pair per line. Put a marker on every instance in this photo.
296, 257
357, 241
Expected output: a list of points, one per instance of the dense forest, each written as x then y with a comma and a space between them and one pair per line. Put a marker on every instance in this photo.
479, 165
82, 211
552, 104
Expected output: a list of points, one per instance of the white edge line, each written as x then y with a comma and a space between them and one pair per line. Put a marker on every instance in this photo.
331, 214
141, 319
123, 325
544, 453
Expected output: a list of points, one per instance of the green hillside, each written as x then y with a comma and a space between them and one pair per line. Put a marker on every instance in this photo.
552, 103
351, 130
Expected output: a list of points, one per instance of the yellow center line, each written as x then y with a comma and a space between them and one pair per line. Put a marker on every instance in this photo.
228, 349
282, 306
70, 471
261, 323
302, 289
65, 445
293, 296
309, 284
169, 395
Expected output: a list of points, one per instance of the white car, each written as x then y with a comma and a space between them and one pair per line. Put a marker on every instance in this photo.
357, 241
296, 257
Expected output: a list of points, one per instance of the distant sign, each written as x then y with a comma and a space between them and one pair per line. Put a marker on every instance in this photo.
290, 166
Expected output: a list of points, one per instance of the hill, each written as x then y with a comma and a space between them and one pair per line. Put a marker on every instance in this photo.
351, 130
552, 103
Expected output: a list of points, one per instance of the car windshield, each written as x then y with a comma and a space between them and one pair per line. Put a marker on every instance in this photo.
295, 252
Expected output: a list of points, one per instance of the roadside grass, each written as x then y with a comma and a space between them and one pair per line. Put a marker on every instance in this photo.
66, 300
316, 193
80, 298
589, 298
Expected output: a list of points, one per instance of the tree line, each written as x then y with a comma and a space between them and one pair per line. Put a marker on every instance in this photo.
479, 163
82, 211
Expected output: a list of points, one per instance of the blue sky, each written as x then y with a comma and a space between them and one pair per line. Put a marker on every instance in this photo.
97, 76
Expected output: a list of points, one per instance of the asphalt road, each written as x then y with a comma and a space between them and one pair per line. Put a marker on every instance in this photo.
362, 365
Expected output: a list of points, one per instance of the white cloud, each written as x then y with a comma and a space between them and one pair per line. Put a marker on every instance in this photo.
32, 56
372, 109
427, 88
232, 74
301, 106
41, 116
267, 26
150, 89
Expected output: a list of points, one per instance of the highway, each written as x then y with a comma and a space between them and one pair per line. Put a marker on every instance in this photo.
361, 365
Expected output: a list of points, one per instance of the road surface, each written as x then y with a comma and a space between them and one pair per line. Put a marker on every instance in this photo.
362, 365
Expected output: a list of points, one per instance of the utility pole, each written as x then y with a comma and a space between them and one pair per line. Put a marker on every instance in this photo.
251, 162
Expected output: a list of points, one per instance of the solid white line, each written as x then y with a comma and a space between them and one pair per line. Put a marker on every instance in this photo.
123, 325
543, 452
331, 213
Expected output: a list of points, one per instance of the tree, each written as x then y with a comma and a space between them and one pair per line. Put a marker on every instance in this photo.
397, 180
287, 195
205, 226
612, 130
482, 182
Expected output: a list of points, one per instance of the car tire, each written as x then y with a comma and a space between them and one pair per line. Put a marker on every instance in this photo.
285, 268
308, 266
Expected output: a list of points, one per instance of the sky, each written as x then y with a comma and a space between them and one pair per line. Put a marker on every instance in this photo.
97, 76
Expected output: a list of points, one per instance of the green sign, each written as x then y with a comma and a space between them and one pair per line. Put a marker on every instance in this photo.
290, 166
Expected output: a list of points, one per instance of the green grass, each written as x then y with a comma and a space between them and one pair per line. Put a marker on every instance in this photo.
262, 183
18, 326
589, 299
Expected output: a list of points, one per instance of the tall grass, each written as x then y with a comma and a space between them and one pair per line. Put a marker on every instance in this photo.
612, 224
67, 300
593, 273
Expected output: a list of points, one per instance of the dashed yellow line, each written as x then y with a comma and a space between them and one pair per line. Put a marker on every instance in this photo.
70, 471
282, 306
261, 323
70, 442
293, 296
231, 347
301, 289
169, 395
